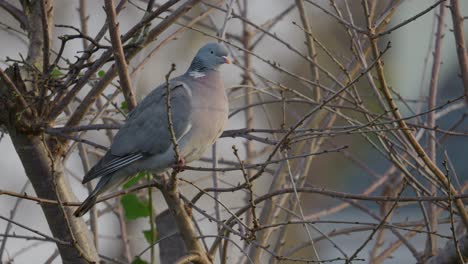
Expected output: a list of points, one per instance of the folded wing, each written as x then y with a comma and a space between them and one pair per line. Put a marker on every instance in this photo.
146, 131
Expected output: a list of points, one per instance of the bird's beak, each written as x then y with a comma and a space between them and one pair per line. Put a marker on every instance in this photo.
227, 60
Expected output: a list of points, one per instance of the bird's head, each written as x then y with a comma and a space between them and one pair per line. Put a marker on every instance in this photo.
210, 57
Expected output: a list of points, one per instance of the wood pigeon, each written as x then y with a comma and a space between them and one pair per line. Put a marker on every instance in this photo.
199, 111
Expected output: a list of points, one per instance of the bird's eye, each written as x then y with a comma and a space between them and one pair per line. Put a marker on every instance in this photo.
211, 52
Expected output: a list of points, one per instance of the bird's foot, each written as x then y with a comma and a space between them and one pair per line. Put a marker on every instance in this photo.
179, 167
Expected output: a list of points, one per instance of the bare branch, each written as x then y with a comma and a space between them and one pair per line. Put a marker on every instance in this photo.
310, 44
409, 136
46, 11
13, 212
222, 32
15, 92
431, 245
119, 55
409, 20
107, 78
35, 231
46, 17
449, 255
184, 224
15, 12
458, 31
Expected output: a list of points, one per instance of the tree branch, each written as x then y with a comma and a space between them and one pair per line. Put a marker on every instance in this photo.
16, 93
119, 55
449, 255
311, 51
107, 78
431, 245
184, 223
409, 136
458, 31
58, 241
50, 183
46, 11
195, 258
15, 12
110, 74
46, 17
313, 190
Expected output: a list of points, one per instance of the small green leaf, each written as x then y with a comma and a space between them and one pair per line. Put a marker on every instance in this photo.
38, 65
138, 260
150, 237
56, 73
101, 73
123, 105
134, 207
134, 180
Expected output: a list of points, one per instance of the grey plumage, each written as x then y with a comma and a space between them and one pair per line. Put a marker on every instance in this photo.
199, 113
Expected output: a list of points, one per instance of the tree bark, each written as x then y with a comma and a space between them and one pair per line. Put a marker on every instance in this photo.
47, 178
183, 222
24, 113
43, 168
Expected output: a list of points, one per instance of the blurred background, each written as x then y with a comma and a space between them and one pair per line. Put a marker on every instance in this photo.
408, 67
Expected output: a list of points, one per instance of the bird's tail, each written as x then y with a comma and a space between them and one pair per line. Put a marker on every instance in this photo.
86, 205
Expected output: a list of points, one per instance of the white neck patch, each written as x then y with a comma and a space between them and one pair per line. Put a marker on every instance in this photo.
196, 74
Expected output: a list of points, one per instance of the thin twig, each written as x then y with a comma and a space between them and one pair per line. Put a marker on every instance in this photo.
409, 20
170, 123
431, 245
123, 233
222, 32
248, 186
12, 216
382, 222
35, 231
15, 12
452, 224
110, 74
409, 136
310, 44
16, 93
151, 219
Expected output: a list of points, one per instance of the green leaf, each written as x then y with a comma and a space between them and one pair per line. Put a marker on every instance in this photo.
55, 73
134, 180
134, 207
138, 260
123, 105
101, 73
150, 237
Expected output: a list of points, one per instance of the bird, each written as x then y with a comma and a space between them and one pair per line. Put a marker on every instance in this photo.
199, 111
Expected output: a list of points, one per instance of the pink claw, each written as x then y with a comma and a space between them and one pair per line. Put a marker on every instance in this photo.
180, 165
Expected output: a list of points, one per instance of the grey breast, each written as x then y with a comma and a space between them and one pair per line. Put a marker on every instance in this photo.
208, 117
